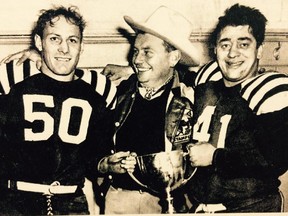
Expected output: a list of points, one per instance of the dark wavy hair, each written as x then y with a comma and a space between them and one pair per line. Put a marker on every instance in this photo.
47, 17
241, 15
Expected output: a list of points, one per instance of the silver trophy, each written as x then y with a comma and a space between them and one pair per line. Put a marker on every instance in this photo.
162, 173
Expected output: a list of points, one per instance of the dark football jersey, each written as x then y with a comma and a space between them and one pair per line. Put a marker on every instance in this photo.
55, 131
244, 124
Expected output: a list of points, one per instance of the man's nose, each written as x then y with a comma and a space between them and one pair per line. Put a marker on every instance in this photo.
63, 47
138, 58
234, 51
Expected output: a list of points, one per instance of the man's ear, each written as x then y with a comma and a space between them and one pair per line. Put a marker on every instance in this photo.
175, 56
260, 51
38, 42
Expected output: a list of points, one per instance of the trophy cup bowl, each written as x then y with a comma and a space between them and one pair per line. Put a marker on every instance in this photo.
162, 172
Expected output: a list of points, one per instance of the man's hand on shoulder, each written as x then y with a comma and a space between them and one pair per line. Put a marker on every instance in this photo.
23, 55
117, 73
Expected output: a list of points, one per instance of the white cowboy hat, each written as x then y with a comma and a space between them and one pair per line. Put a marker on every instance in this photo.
171, 27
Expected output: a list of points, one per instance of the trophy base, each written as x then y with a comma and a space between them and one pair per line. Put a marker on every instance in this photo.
168, 207
174, 202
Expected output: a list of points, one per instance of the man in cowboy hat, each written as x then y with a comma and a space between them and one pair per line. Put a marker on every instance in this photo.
151, 105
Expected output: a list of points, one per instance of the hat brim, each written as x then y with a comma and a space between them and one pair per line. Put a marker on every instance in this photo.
190, 55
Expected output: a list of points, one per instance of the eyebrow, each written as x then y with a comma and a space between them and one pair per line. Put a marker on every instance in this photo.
143, 48
53, 34
245, 38
239, 39
71, 36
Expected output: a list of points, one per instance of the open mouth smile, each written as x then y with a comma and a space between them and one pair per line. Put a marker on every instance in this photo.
234, 64
63, 59
142, 70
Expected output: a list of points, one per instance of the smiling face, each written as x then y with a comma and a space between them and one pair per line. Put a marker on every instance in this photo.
151, 60
237, 54
60, 47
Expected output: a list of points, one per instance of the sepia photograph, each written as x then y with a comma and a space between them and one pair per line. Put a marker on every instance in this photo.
144, 107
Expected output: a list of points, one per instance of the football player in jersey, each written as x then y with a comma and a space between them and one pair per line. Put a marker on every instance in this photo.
240, 123
55, 128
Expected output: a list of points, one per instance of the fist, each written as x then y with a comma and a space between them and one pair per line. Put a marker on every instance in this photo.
201, 154
121, 162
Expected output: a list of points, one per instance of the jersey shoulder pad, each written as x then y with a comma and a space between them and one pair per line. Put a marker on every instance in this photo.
208, 72
11, 74
102, 86
267, 92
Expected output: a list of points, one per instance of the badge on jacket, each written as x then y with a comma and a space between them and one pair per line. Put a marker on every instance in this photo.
184, 132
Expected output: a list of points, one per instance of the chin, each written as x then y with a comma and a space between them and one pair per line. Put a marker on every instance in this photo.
64, 71
141, 78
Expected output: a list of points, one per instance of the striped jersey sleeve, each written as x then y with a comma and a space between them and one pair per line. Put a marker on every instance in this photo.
267, 92
11, 74
102, 85
208, 72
